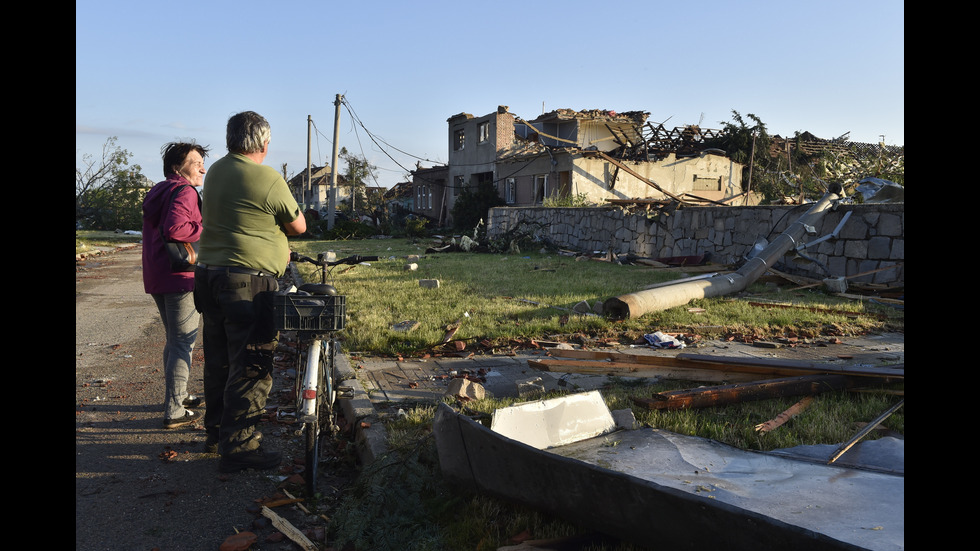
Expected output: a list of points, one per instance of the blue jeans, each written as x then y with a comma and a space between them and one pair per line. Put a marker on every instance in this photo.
180, 320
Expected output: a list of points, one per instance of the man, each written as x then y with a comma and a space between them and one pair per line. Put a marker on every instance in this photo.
247, 213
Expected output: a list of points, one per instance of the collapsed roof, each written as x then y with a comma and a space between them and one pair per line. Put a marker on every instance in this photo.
625, 135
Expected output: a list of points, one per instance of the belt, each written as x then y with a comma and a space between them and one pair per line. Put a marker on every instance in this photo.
236, 270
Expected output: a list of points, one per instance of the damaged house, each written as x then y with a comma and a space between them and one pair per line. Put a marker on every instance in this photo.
595, 155
314, 191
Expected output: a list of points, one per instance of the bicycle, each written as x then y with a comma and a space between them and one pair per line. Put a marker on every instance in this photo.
317, 313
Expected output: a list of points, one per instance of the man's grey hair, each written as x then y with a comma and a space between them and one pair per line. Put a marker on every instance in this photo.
247, 132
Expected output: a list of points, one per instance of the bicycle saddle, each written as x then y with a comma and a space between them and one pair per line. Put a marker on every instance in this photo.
318, 289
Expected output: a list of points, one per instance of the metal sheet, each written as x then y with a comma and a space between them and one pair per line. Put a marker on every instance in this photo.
648, 485
863, 508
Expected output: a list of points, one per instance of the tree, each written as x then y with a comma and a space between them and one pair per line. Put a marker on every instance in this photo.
108, 191
358, 171
803, 171
473, 204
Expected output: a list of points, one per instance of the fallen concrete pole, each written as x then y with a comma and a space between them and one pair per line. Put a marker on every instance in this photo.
661, 298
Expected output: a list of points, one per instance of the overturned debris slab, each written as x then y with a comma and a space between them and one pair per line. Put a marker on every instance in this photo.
654, 487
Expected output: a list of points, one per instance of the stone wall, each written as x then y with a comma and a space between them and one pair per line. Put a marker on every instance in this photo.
872, 237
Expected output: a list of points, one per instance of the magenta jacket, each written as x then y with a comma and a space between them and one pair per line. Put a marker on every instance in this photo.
181, 223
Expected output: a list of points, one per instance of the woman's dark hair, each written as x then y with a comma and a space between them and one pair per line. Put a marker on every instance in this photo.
174, 154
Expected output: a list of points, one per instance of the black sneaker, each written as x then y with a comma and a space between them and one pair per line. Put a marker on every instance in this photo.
192, 401
188, 418
257, 459
211, 442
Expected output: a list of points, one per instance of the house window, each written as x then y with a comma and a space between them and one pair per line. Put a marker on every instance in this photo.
510, 191
459, 139
484, 129
706, 183
540, 188
458, 184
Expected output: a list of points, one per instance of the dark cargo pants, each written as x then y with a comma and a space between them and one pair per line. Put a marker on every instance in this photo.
239, 343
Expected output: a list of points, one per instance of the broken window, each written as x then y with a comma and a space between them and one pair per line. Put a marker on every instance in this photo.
540, 188
424, 197
459, 139
510, 191
484, 129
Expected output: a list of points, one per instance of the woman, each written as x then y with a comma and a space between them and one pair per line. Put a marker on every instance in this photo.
176, 220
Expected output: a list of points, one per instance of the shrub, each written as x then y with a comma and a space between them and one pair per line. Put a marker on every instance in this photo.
342, 229
415, 227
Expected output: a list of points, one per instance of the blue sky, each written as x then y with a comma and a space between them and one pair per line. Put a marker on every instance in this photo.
153, 72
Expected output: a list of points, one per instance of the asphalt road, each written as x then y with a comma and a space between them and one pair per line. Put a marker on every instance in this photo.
137, 485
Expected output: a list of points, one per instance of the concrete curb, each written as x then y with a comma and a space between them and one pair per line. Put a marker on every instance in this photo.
370, 436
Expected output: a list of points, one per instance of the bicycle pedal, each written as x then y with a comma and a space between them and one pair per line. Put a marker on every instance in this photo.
345, 392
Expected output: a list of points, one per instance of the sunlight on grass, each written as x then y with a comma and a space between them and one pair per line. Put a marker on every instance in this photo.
498, 297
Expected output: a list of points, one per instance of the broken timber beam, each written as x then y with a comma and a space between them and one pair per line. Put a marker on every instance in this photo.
626, 369
745, 392
768, 367
777, 366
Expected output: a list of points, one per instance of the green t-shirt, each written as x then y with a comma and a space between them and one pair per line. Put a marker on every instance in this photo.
244, 204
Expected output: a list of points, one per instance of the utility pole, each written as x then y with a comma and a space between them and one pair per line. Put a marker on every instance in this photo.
333, 167
309, 180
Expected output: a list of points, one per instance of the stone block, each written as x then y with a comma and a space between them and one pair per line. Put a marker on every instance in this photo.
898, 249
624, 418
890, 225
530, 386
465, 390
429, 283
879, 247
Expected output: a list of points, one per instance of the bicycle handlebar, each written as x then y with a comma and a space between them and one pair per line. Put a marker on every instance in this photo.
353, 259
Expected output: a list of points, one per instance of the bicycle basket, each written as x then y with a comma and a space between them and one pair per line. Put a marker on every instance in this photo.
309, 312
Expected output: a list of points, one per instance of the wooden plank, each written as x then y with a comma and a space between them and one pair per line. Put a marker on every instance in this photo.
785, 416
786, 367
762, 366
744, 392
640, 370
